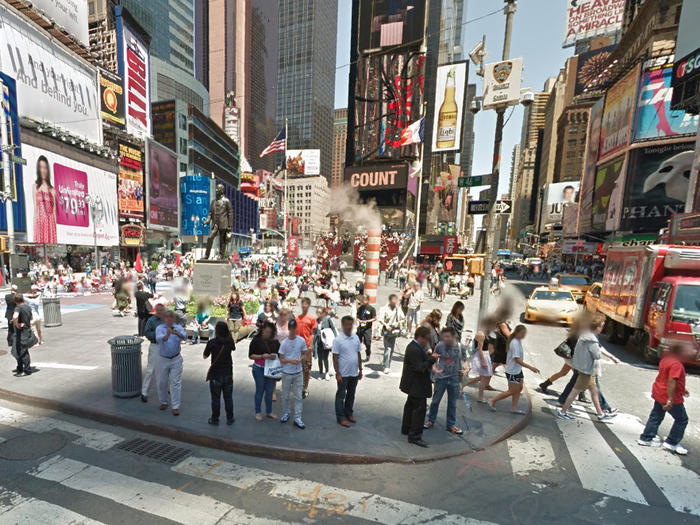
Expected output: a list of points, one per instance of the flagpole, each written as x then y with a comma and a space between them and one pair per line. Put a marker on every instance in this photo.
286, 139
420, 188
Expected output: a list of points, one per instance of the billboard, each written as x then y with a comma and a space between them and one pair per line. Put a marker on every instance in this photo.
131, 192
390, 23
656, 185
70, 14
377, 177
163, 122
134, 67
595, 122
442, 204
502, 82
8, 99
57, 211
586, 19
56, 87
293, 247
654, 118
607, 195
591, 70
303, 162
617, 116
112, 99
556, 196
449, 107
162, 187
687, 39
195, 194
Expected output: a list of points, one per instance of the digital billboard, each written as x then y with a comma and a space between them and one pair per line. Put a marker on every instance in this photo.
449, 107
556, 196
377, 177
112, 99
595, 122
303, 162
162, 187
8, 99
163, 121
442, 204
195, 195
134, 67
592, 70
57, 209
586, 19
656, 185
131, 192
390, 24
607, 195
617, 116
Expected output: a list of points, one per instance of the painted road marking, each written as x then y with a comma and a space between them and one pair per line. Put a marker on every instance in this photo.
678, 484
20, 510
533, 454
317, 500
598, 467
61, 366
91, 438
152, 498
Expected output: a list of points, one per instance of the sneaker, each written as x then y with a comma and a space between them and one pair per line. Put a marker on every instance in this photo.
284, 418
678, 449
562, 415
611, 411
605, 418
645, 443
387, 371
299, 423
455, 430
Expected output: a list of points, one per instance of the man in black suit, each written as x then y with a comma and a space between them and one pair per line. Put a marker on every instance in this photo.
9, 312
415, 383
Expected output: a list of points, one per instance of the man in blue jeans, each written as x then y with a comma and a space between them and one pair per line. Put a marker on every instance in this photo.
447, 374
347, 362
669, 395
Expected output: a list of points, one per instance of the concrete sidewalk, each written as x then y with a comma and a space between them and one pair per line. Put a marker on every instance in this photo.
74, 376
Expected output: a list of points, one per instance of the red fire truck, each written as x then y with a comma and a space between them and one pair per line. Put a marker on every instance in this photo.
651, 297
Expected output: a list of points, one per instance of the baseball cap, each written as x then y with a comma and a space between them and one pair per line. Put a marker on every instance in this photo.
292, 324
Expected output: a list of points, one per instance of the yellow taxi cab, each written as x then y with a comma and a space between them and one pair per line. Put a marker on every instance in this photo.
590, 302
552, 304
576, 283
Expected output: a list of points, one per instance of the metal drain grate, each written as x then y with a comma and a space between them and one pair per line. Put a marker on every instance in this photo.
155, 450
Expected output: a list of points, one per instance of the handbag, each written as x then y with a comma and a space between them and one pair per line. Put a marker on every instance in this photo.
564, 350
327, 338
212, 365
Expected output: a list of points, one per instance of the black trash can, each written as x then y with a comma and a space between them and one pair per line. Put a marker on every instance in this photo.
52, 311
126, 366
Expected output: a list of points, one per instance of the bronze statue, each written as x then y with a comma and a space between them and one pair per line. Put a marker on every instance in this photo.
221, 219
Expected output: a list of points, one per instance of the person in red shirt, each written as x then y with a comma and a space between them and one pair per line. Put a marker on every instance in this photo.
298, 269
306, 327
669, 393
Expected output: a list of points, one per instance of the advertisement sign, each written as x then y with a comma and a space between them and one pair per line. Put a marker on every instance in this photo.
303, 162
586, 19
685, 228
592, 70
293, 247
655, 119
556, 196
164, 126
607, 195
449, 107
134, 67
195, 194
442, 205
162, 187
656, 186
579, 246
390, 23
112, 99
131, 191
8, 99
588, 182
57, 210
569, 218
133, 235
71, 14
502, 82
617, 116
55, 86
449, 245
378, 177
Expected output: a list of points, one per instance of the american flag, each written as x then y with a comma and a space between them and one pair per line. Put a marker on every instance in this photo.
279, 144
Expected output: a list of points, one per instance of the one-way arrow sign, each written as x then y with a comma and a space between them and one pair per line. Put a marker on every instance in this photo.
482, 207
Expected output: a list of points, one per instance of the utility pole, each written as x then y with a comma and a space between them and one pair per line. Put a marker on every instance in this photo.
7, 149
489, 247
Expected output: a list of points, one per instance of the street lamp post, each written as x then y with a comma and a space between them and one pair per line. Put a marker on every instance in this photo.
95, 204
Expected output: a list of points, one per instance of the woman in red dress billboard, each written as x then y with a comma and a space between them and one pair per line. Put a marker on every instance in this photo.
44, 204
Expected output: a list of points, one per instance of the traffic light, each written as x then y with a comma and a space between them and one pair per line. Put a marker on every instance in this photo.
454, 264
3, 244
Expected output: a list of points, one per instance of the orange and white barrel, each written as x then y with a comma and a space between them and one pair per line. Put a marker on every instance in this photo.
374, 245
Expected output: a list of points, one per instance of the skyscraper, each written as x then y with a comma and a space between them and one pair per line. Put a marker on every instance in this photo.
306, 76
340, 137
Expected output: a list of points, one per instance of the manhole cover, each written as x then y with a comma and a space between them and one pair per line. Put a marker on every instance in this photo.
155, 450
32, 446
4, 352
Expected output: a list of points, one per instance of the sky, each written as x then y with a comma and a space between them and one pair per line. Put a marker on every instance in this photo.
538, 29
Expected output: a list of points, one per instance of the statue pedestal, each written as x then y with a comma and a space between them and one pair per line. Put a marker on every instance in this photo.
211, 277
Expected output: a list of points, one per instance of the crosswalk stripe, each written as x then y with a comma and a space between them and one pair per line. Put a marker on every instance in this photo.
91, 438
20, 510
146, 496
319, 500
62, 366
598, 467
533, 454
678, 484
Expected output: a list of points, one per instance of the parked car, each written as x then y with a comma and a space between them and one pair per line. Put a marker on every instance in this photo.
577, 284
590, 301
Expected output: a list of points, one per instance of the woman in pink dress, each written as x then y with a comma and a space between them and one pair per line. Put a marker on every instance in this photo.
44, 204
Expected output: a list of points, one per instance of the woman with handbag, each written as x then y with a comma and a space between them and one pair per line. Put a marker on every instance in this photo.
566, 351
263, 349
432, 322
220, 374
323, 342
455, 319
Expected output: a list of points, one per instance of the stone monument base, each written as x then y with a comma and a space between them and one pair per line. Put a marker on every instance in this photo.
211, 277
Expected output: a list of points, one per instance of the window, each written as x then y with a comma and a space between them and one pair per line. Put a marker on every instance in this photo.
183, 146
182, 121
573, 130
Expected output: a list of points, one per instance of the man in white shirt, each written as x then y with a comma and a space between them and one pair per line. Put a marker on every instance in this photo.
391, 318
415, 299
347, 362
292, 352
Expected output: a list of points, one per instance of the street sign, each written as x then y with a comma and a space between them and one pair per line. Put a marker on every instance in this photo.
17, 160
470, 182
482, 207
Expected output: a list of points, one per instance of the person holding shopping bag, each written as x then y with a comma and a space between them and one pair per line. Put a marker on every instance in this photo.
263, 350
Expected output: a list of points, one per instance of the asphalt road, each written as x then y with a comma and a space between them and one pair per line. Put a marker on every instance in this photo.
553, 472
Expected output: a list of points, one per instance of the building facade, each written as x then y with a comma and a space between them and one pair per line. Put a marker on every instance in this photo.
340, 137
309, 200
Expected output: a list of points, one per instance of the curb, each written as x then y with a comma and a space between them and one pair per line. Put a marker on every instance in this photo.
248, 448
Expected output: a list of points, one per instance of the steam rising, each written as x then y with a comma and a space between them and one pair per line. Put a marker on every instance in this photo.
346, 203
